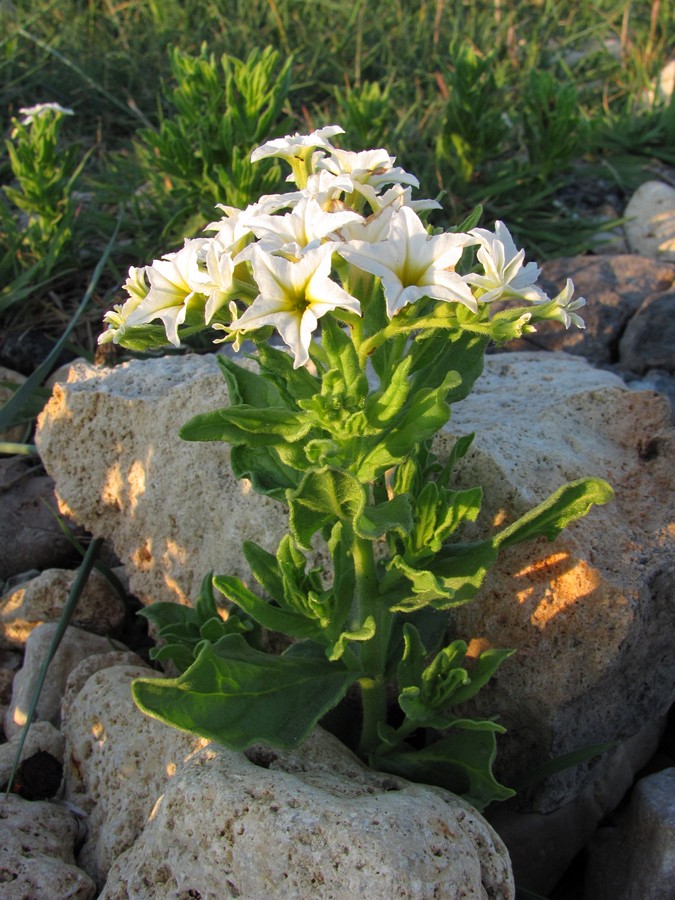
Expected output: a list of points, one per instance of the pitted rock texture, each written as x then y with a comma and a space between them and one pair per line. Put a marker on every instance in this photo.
99, 609
591, 614
650, 225
173, 509
36, 852
313, 822
117, 763
75, 646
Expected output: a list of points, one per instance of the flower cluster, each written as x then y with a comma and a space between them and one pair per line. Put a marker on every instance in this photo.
350, 228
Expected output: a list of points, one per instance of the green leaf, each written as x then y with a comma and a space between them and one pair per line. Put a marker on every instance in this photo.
460, 762
239, 696
264, 469
449, 580
248, 387
570, 502
562, 763
365, 633
287, 621
385, 404
323, 497
265, 569
340, 351
423, 415
480, 673
247, 425
388, 516
297, 384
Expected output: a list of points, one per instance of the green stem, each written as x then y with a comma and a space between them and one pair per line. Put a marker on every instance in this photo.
374, 652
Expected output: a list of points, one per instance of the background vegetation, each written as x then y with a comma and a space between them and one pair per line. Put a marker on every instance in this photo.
540, 111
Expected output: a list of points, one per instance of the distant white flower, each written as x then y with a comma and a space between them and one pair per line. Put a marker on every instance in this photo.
293, 297
503, 272
297, 145
30, 113
565, 306
413, 264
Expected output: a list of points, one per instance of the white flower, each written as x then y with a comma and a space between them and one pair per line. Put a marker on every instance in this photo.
30, 113
201, 270
293, 296
368, 168
565, 306
297, 232
297, 145
504, 273
137, 287
412, 264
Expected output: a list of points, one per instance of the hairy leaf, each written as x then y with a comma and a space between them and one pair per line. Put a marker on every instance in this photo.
239, 696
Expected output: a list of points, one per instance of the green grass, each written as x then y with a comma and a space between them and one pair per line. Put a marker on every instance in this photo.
517, 106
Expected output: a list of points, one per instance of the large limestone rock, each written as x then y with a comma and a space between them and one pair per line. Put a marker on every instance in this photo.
172, 509
590, 616
117, 763
313, 822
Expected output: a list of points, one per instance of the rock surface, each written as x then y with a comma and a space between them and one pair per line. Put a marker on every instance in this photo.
30, 535
615, 288
542, 846
42, 736
36, 852
117, 764
128, 421
75, 646
313, 822
634, 858
99, 609
650, 225
591, 614
649, 339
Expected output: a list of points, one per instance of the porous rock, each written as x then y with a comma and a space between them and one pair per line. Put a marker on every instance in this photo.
30, 534
42, 736
633, 857
172, 509
75, 646
117, 764
650, 221
312, 822
590, 615
99, 609
615, 287
36, 852
83, 671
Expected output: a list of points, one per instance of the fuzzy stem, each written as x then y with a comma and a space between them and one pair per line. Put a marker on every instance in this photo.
374, 652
